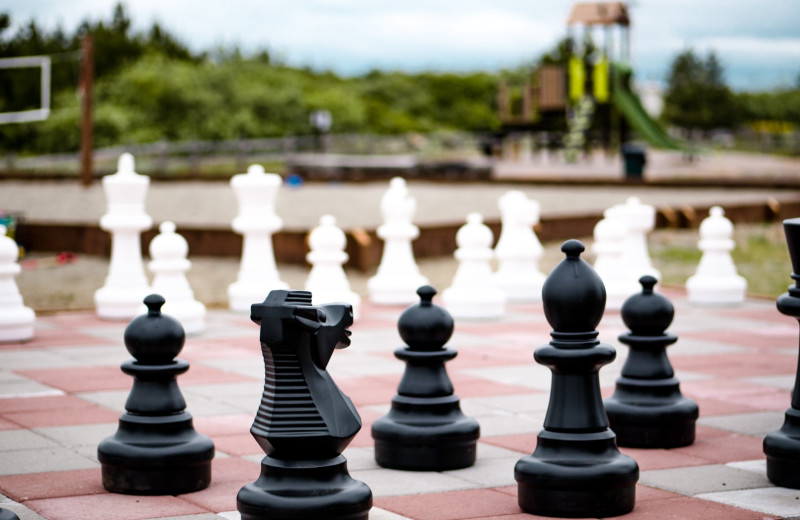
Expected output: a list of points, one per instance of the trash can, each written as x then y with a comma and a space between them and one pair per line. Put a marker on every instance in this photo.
634, 157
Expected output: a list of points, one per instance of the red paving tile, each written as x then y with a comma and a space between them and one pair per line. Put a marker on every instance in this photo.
722, 449
524, 443
662, 459
50, 338
8, 425
89, 415
240, 444
110, 506
494, 356
34, 486
736, 365
233, 469
679, 508
35, 404
710, 407
765, 314
214, 425
766, 338
219, 496
453, 505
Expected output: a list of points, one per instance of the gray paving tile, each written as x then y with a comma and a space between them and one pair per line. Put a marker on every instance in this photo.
108, 355
506, 423
204, 516
526, 375
781, 382
757, 423
782, 502
533, 402
242, 366
756, 466
489, 451
694, 480
360, 458
24, 440
79, 435
694, 347
13, 385
495, 472
363, 364
34, 358
390, 482
111, 399
377, 513
41, 460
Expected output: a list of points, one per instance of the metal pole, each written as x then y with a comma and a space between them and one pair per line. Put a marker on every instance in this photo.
87, 73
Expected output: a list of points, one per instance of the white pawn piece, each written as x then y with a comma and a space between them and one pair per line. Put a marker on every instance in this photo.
256, 222
474, 293
126, 285
398, 276
16, 320
609, 248
639, 220
716, 281
169, 263
518, 250
327, 280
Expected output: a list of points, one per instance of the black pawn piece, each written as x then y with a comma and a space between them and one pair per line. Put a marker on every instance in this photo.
425, 429
782, 447
576, 469
304, 421
5, 514
647, 409
156, 450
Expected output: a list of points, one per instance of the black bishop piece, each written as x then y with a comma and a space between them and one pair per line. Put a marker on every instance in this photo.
156, 450
304, 421
425, 429
576, 469
782, 447
647, 409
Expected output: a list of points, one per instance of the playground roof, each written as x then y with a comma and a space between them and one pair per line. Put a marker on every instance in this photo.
599, 13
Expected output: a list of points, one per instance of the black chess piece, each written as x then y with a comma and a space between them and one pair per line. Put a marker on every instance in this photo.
782, 447
5, 514
425, 429
576, 469
647, 409
156, 450
304, 421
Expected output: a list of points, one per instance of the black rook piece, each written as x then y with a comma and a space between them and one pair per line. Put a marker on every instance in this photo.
304, 421
425, 429
156, 450
647, 409
782, 447
576, 469
5, 514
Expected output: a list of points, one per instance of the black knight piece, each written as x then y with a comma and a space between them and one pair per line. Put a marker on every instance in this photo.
647, 409
156, 450
304, 421
425, 429
576, 469
782, 447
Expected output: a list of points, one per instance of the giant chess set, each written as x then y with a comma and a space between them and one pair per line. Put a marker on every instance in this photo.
587, 392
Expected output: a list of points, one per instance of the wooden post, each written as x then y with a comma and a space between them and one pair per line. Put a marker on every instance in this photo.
87, 73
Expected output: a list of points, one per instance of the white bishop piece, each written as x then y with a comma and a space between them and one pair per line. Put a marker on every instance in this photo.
518, 250
327, 280
398, 276
169, 251
126, 285
716, 281
609, 248
256, 222
474, 293
16, 320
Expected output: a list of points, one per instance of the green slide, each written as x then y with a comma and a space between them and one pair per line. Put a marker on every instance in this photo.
630, 106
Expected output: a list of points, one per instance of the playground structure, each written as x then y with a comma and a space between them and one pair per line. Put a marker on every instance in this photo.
585, 94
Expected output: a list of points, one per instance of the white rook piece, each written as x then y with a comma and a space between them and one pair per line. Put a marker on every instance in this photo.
327, 280
610, 240
126, 285
716, 281
474, 293
16, 320
518, 250
169, 251
256, 222
639, 219
398, 276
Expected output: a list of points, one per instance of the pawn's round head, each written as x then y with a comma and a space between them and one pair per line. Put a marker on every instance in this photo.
425, 325
154, 338
647, 313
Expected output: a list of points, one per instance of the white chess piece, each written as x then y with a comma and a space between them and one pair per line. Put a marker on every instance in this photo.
716, 281
169, 251
126, 285
474, 293
518, 250
16, 320
327, 280
609, 248
639, 220
398, 276
256, 222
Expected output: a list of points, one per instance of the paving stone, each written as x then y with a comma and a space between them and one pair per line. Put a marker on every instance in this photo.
758, 423
782, 502
695, 480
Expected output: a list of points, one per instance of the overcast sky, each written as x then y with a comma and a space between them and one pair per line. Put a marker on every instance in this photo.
758, 41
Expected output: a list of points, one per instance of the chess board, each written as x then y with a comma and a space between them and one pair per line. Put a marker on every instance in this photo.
62, 393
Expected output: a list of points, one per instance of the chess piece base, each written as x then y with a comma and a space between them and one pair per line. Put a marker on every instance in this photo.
5, 514
716, 291
119, 303
425, 434
156, 456
651, 414
576, 475
304, 490
782, 449
16, 324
